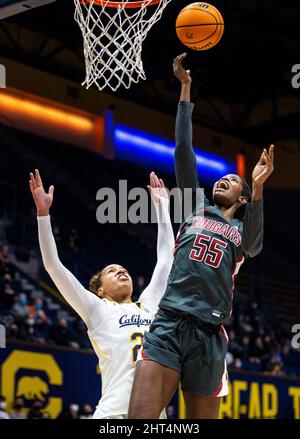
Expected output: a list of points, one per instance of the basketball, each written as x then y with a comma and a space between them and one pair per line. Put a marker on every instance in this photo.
200, 26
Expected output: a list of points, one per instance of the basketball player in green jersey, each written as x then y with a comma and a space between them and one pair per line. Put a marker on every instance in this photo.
187, 342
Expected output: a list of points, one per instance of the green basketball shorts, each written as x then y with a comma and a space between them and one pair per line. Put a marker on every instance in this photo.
196, 349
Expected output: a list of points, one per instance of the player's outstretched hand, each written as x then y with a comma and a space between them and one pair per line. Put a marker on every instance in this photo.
179, 72
157, 188
42, 199
264, 167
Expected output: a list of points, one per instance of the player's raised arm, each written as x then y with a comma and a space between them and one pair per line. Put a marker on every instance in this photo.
184, 76
75, 294
253, 223
185, 159
152, 294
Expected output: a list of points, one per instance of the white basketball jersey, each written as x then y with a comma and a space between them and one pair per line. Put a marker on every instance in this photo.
117, 341
115, 330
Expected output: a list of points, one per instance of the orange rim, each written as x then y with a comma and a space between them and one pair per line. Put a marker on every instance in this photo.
112, 4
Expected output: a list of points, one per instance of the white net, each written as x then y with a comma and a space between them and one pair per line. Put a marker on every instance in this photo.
113, 37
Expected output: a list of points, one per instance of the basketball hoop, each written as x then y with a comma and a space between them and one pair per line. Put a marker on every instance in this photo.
113, 33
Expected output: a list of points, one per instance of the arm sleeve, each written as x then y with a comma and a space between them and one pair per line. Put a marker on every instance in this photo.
81, 300
153, 293
185, 158
253, 229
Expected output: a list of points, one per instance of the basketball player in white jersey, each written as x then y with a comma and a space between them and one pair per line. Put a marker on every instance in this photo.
115, 324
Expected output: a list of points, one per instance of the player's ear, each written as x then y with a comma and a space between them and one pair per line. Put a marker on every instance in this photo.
100, 293
243, 200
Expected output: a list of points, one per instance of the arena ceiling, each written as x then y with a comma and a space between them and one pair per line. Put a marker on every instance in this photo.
249, 71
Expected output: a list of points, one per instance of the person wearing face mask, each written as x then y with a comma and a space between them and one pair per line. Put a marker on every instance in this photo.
20, 309
38, 314
3, 413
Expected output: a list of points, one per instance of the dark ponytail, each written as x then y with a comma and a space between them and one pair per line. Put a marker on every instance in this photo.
246, 192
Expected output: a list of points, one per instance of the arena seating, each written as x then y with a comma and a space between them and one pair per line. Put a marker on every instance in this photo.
85, 246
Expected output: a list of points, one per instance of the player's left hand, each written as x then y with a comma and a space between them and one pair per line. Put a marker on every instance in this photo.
183, 75
157, 188
264, 167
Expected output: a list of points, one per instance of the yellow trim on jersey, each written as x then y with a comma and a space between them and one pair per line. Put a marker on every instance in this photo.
137, 344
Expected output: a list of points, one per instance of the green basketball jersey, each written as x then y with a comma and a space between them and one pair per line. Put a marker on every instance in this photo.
209, 248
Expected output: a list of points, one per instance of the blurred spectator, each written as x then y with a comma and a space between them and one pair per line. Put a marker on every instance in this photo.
37, 313
4, 255
30, 331
139, 285
267, 345
13, 331
56, 233
7, 279
233, 345
238, 363
171, 413
3, 413
61, 335
229, 358
260, 330
7, 284
80, 330
17, 412
245, 324
35, 411
245, 347
73, 239
86, 412
46, 415
20, 309
9, 296
71, 412
257, 351
257, 344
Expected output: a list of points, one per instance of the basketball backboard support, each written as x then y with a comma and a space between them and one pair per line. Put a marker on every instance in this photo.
13, 7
